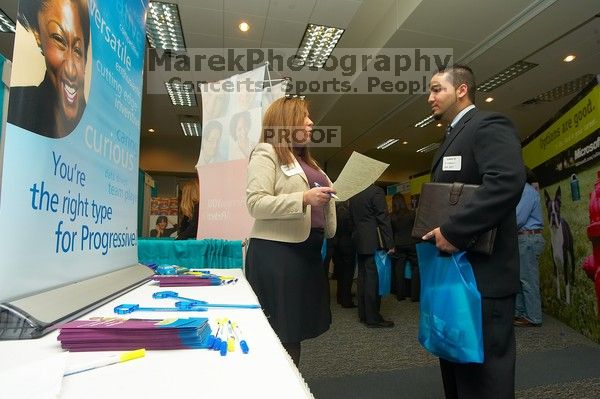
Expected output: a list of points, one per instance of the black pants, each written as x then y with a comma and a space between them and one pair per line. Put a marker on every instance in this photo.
495, 378
344, 259
369, 300
403, 254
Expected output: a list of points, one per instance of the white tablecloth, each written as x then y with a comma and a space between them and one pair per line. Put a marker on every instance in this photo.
266, 371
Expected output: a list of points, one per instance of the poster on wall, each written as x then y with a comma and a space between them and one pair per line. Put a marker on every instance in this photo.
163, 217
232, 112
565, 156
569, 144
68, 193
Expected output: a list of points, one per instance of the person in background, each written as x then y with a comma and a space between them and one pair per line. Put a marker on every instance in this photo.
528, 306
62, 31
289, 197
484, 149
372, 231
189, 210
403, 220
344, 255
161, 229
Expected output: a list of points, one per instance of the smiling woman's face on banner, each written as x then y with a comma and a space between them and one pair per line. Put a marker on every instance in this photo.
61, 40
61, 32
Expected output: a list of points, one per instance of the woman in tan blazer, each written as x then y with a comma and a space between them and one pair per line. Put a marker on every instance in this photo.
290, 198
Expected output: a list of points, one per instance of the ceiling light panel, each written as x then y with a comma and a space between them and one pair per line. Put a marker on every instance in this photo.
574, 86
6, 24
505, 76
428, 148
317, 44
163, 26
191, 128
424, 122
181, 94
387, 143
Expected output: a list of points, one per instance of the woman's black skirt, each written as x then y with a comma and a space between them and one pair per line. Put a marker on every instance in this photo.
290, 284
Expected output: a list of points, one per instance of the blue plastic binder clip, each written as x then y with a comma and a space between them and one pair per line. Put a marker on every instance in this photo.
127, 308
197, 302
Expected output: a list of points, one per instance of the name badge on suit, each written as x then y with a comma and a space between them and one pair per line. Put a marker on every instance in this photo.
292, 169
452, 163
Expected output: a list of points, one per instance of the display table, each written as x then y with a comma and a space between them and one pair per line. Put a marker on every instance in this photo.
265, 372
207, 253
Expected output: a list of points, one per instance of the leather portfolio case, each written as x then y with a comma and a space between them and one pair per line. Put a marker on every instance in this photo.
439, 201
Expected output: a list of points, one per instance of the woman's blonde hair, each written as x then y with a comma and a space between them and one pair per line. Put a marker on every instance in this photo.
189, 197
280, 120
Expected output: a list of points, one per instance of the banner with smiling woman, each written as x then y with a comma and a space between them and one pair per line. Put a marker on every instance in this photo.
68, 203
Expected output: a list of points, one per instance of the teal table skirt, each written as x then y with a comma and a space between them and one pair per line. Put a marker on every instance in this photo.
207, 253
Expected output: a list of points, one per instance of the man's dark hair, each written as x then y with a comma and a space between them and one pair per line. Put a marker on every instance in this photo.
530, 176
461, 74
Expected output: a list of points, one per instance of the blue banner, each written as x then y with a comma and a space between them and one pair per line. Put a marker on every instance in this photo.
68, 203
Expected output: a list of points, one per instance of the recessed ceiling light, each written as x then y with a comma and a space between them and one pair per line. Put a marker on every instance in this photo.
489, 99
244, 26
439, 125
569, 58
151, 130
405, 142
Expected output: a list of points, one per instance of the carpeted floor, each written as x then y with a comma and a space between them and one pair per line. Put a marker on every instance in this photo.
353, 361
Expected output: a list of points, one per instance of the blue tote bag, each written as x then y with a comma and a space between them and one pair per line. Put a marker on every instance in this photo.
384, 271
450, 317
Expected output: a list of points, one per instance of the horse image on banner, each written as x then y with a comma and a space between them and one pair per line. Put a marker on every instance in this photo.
232, 112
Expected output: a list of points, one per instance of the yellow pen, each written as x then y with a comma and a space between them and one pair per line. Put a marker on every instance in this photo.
105, 361
231, 338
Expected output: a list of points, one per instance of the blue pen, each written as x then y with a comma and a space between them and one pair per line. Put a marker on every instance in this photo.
332, 195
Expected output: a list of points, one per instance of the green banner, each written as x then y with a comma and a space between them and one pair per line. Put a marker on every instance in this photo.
576, 124
417, 182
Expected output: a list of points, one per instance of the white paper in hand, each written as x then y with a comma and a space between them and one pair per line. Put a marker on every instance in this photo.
359, 173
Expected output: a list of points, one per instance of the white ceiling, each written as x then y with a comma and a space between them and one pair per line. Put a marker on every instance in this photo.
487, 35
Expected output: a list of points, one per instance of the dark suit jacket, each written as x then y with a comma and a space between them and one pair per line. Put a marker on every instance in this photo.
402, 224
491, 157
368, 210
343, 232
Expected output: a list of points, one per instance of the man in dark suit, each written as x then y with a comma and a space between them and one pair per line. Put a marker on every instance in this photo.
368, 212
480, 148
